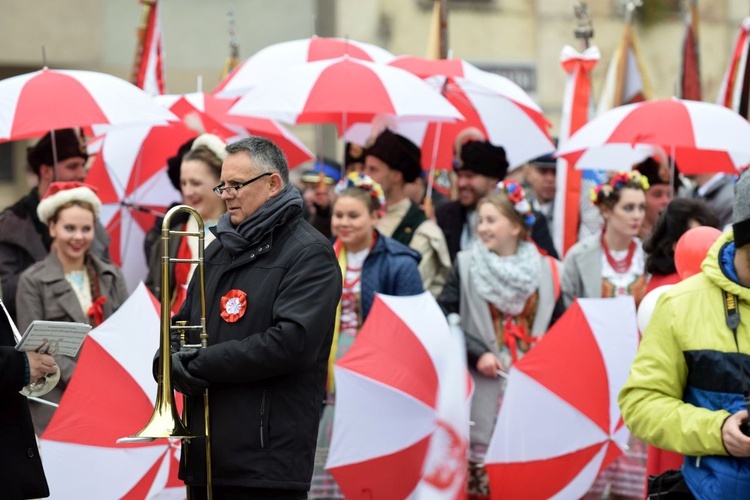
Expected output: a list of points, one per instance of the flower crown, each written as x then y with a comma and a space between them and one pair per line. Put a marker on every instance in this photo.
364, 182
517, 197
620, 180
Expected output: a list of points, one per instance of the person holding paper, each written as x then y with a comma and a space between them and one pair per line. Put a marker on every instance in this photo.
71, 283
21, 473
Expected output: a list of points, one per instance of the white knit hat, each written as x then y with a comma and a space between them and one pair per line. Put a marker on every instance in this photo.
60, 193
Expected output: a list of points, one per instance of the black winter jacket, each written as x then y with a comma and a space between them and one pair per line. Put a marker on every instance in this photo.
267, 371
21, 474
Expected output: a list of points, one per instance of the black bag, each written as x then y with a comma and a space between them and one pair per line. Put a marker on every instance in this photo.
669, 485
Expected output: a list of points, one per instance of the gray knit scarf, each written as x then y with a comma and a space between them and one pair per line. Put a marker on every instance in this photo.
249, 232
506, 282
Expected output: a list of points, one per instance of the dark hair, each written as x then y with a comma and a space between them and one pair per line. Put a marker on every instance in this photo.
202, 153
265, 155
671, 224
364, 195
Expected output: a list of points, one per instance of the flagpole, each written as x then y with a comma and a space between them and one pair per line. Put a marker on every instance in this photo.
234, 45
576, 106
440, 18
141, 39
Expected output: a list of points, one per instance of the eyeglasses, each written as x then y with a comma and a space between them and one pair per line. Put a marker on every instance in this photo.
234, 190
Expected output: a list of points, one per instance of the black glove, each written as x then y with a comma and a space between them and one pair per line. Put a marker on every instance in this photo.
182, 380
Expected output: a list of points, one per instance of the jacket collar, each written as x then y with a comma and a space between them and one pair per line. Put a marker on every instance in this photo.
714, 270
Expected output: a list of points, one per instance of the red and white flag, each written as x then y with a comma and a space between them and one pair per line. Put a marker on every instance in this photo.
733, 92
148, 71
575, 114
690, 74
627, 80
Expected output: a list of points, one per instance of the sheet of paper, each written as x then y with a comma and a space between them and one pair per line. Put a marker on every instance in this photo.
54, 337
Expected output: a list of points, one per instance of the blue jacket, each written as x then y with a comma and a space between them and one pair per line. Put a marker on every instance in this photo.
685, 380
390, 268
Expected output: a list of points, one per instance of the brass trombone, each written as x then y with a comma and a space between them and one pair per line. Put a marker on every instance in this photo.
165, 421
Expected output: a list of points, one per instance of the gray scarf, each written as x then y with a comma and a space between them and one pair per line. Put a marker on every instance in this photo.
249, 232
506, 282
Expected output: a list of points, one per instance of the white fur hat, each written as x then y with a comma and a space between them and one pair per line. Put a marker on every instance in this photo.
60, 193
213, 143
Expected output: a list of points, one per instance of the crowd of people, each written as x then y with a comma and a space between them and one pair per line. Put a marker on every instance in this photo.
291, 271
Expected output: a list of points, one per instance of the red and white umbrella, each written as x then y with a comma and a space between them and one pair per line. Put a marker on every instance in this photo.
212, 114
559, 424
35, 103
401, 422
130, 173
493, 104
282, 55
344, 91
702, 137
112, 392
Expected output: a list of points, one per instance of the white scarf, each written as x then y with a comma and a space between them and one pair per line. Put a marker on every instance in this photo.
506, 282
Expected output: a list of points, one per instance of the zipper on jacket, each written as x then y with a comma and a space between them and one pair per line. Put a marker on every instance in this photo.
262, 411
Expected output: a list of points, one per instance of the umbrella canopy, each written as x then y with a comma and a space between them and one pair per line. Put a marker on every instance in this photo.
494, 105
344, 91
282, 55
35, 103
401, 422
213, 115
702, 137
130, 173
111, 393
559, 423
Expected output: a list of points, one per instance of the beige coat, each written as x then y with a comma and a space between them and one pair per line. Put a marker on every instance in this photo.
44, 293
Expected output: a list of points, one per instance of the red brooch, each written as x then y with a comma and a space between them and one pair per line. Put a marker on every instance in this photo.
233, 305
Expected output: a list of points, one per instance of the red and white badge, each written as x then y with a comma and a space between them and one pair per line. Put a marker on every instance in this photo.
233, 305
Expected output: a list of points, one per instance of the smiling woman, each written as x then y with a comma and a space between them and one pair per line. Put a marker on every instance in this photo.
370, 263
200, 171
71, 283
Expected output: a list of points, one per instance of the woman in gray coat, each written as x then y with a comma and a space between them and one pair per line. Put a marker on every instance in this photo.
507, 294
70, 284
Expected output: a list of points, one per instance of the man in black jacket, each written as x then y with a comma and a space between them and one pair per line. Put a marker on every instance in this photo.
272, 288
21, 473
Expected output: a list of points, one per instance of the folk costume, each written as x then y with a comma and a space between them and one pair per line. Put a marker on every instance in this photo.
46, 292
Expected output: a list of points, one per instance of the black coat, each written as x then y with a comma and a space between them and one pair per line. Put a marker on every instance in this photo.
21, 473
268, 369
451, 217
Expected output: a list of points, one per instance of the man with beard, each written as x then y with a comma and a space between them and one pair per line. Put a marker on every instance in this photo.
479, 166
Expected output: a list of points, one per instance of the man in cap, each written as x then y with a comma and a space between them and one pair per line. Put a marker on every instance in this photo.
541, 178
479, 166
393, 161
659, 193
317, 190
686, 384
24, 240
717, 191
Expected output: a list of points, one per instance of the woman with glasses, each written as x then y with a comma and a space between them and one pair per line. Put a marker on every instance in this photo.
200, 172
